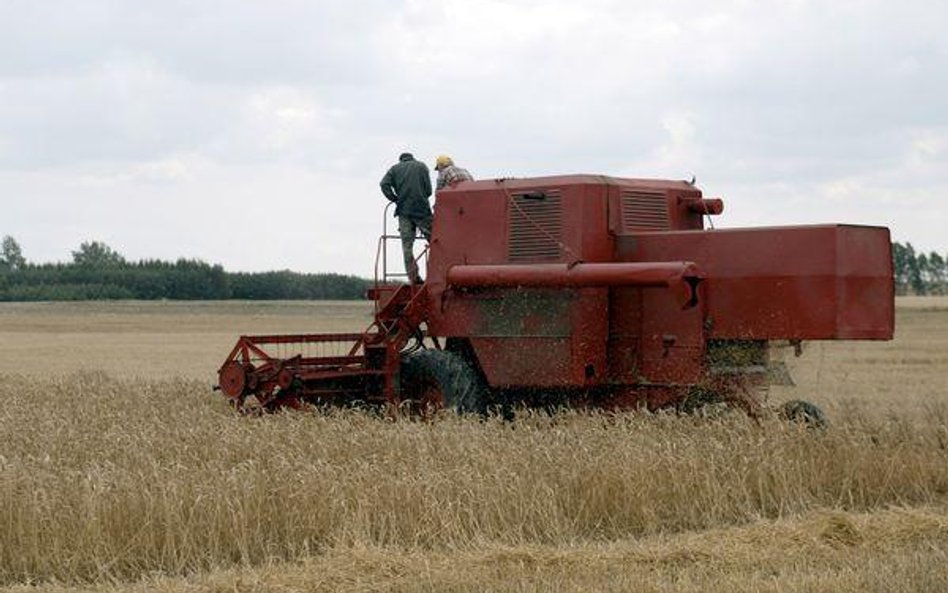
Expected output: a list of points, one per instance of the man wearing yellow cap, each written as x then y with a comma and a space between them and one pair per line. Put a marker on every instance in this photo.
449, 173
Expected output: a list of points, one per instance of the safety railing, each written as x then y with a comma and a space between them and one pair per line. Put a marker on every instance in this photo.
382, 273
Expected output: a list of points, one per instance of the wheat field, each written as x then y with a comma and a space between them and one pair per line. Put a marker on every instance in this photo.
120, 470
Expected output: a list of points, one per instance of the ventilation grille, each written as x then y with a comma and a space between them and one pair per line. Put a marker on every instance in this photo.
644, 211
535, 226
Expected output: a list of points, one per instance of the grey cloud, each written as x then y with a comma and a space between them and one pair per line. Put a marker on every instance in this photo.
813, 103
204, 41
125, 110
92, 81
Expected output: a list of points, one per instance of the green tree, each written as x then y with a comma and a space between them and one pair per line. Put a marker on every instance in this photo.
96, 254
924, 274
899, 268
11, 256
913, 272
937, 272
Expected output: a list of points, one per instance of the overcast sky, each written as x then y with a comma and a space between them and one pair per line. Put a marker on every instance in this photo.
254, 134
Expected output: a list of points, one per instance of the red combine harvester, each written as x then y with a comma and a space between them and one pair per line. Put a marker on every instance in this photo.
583, 290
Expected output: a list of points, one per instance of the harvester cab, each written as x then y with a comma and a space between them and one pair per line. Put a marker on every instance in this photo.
583, 290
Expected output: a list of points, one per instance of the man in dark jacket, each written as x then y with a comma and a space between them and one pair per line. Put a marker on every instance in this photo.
408, 184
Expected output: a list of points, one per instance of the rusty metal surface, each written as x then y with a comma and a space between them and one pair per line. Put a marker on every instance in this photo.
607, 289
818, 282
649, 274
815, 282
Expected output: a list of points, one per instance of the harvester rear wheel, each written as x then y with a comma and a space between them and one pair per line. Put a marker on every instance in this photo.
700, 401
432, 380
805, 413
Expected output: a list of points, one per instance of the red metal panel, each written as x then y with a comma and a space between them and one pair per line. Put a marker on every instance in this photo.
589, 325
652, 340
537, 361
672, 341
625, 333
812, 282
591, 224
516, 313
865, 288
541, 338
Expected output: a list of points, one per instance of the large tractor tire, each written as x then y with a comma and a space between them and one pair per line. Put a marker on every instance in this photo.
701, 402
434, 380
804, 412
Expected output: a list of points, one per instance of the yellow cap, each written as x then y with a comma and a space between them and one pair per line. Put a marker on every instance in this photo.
443, 161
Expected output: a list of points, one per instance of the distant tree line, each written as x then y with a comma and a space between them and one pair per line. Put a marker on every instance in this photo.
98, 272
918, 273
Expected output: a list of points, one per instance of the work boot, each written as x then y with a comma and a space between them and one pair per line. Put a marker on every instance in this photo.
413, 276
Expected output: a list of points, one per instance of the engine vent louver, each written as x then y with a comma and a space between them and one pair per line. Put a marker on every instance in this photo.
644, 211
535, 226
